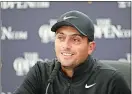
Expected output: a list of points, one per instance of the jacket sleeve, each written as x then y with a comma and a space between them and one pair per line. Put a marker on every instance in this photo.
31, 83
118, 85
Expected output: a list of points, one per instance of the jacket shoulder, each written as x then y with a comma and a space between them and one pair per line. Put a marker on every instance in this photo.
46, 66
106, 72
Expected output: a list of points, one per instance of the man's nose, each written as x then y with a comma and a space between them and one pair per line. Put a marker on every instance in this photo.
66, 44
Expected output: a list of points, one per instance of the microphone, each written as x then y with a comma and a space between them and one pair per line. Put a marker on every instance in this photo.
54, 72
53, 75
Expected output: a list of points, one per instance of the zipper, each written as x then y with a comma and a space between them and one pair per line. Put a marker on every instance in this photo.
69, 89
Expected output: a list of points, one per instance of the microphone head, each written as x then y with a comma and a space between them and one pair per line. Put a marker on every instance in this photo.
54, 72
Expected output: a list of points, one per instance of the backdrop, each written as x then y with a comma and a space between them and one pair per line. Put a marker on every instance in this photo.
26, 35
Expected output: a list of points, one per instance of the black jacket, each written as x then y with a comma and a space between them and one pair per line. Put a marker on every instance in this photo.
91, 77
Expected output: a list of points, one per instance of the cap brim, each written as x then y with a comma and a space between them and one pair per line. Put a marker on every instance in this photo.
60, 24
64, 23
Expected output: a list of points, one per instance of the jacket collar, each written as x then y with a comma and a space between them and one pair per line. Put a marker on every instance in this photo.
85, 67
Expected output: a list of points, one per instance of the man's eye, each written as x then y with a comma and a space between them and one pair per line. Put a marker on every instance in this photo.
60, 37
76, 40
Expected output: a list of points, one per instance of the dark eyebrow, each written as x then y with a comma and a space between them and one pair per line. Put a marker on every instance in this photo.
70, 35
74, 35
59, 33
77, 35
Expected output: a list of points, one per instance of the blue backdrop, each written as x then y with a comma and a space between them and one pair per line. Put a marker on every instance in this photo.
26, 35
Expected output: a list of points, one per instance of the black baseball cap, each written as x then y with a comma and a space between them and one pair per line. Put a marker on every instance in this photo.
78, 20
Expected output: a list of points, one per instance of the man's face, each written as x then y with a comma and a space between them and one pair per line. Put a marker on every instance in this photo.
71, 48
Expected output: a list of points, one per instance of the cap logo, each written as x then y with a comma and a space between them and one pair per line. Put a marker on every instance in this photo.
69, 17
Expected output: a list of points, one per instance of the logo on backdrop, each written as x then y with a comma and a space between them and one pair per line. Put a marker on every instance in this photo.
22, 64
103, 29
127, 59
10, 34
24, 5
125, 4
45, 33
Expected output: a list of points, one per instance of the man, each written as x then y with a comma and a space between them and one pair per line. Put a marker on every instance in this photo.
74, 71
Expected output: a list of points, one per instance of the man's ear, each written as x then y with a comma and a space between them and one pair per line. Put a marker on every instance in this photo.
91, 47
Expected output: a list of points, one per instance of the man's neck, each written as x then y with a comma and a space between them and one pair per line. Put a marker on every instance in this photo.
68, 71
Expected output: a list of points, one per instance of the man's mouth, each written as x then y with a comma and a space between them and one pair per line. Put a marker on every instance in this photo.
66, 54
